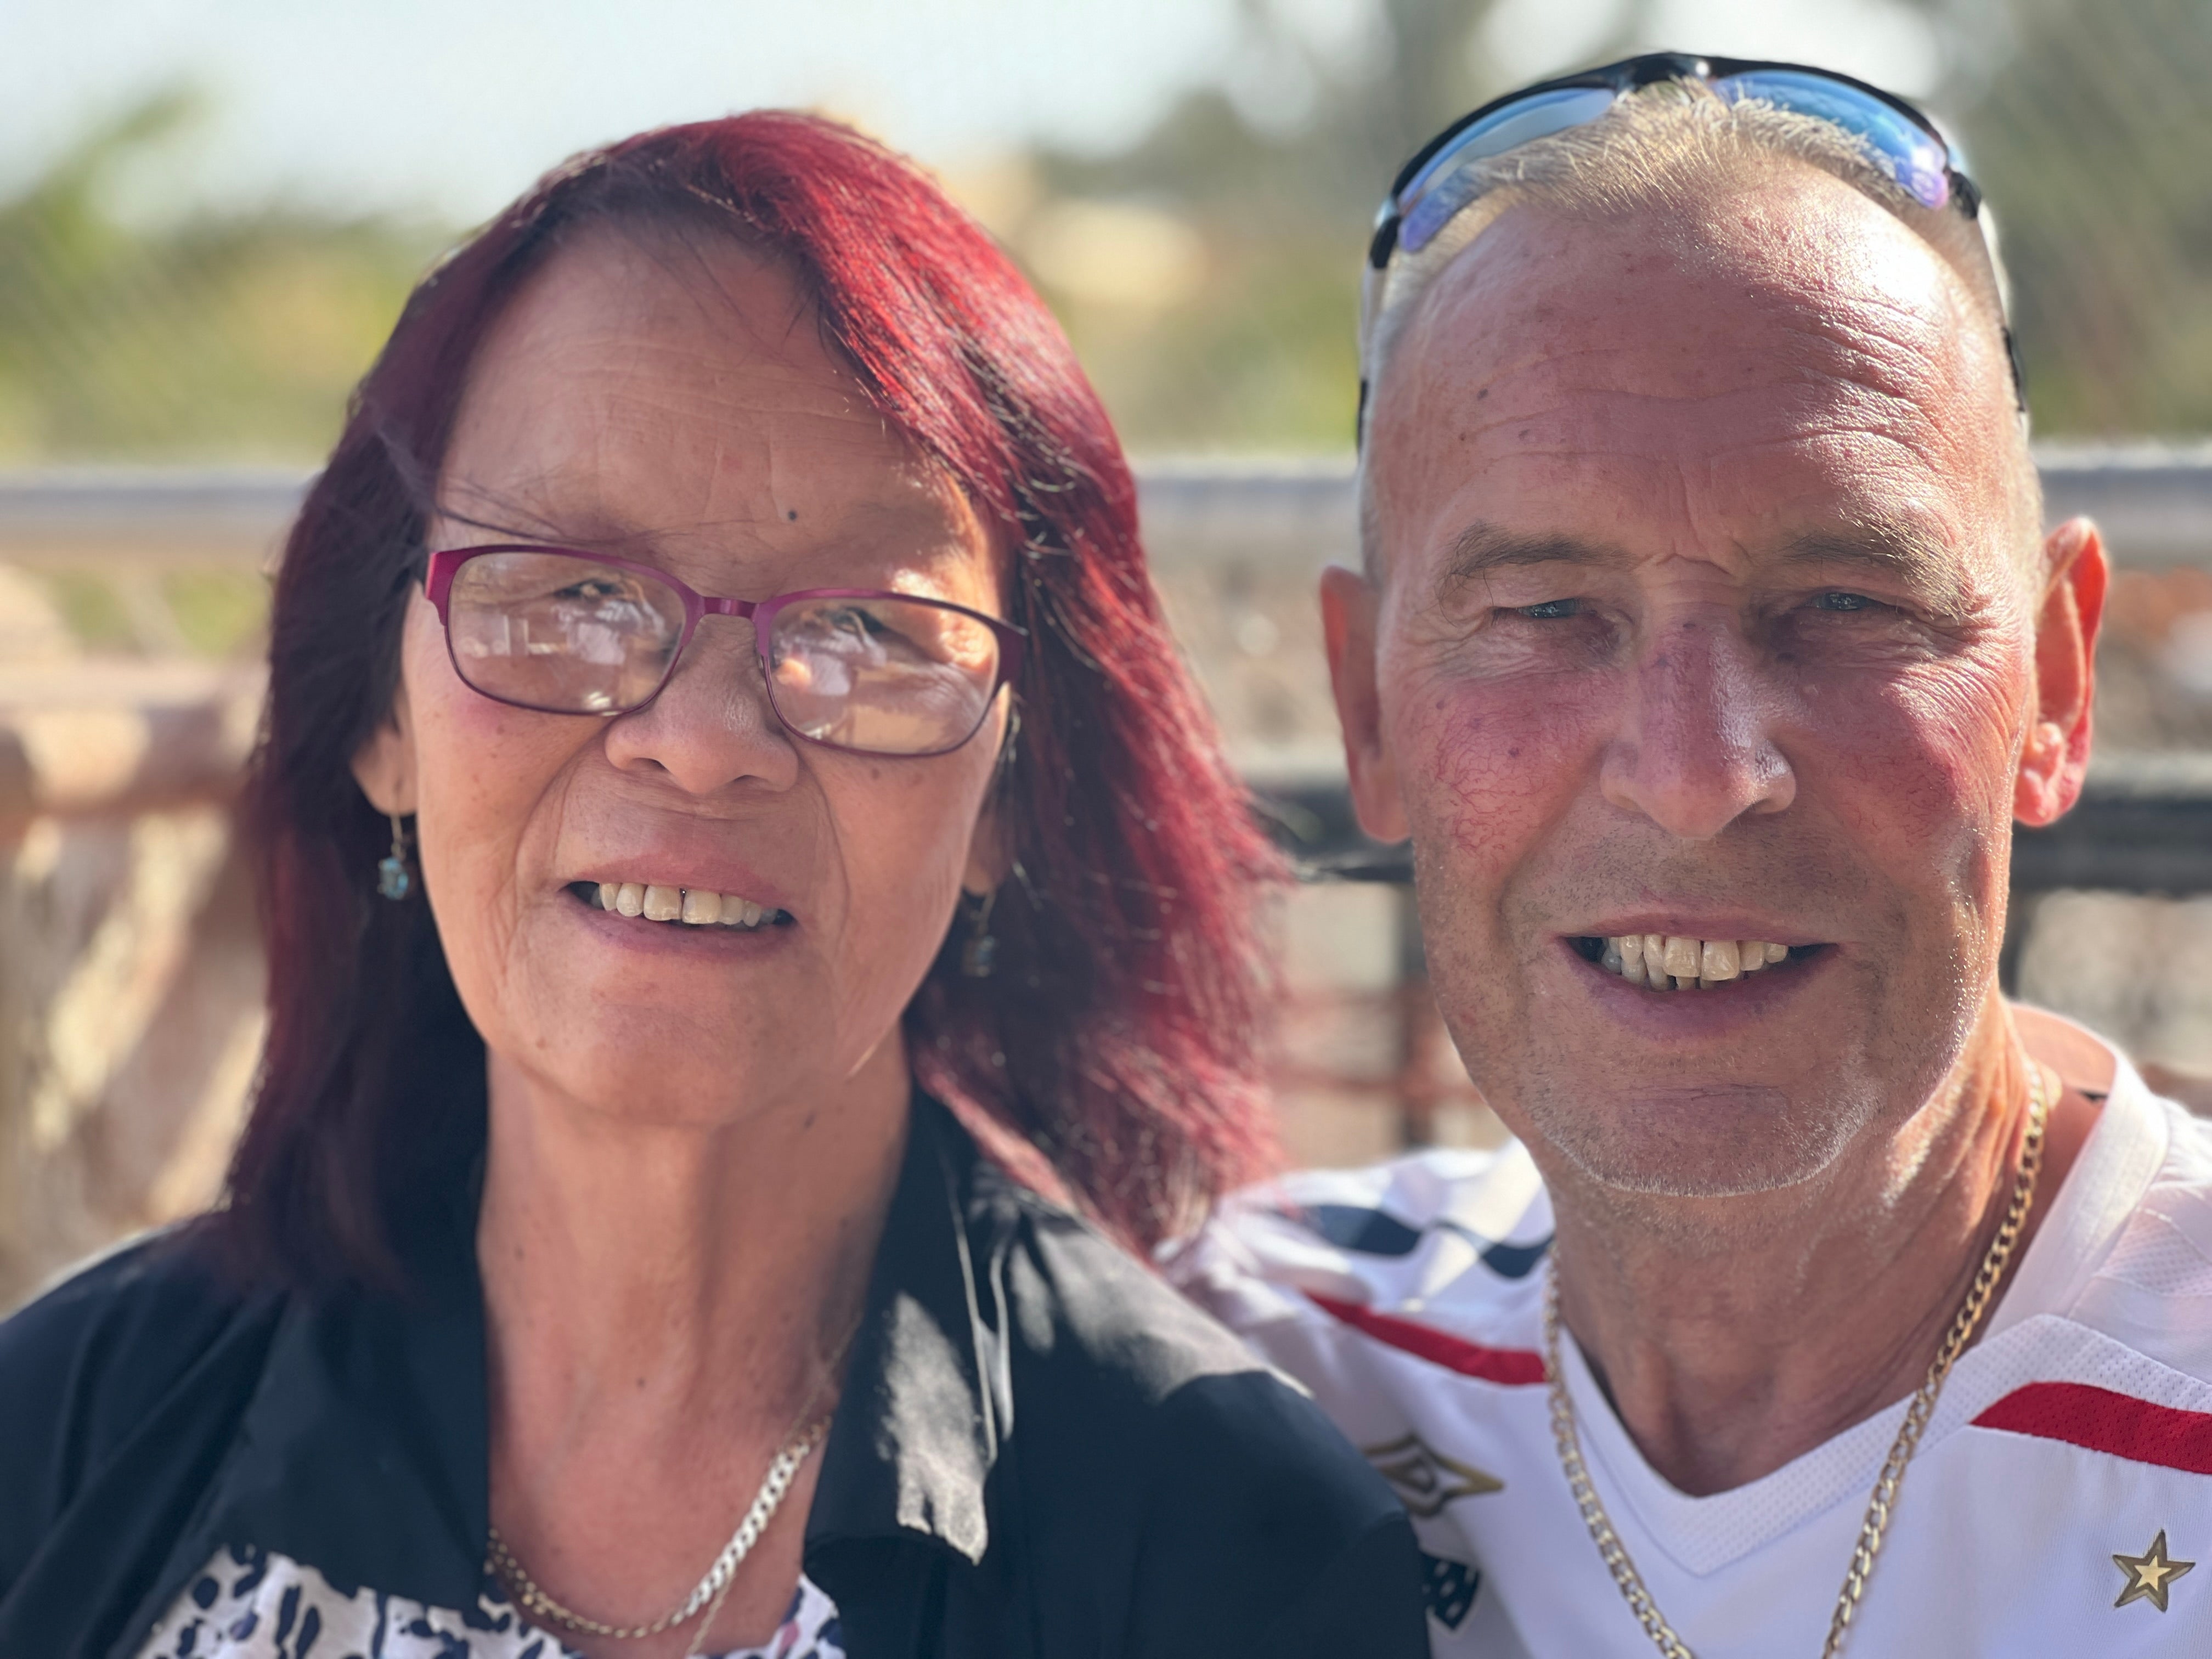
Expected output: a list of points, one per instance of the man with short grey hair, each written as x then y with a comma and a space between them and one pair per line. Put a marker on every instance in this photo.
1707, 648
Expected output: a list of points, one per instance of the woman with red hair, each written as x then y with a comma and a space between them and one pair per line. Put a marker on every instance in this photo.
725, 770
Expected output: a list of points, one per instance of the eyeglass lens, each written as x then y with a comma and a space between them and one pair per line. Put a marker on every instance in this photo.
567, 634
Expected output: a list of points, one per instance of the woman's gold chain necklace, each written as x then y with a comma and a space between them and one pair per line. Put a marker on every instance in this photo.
1883, 1503
533, 1601
531, 1597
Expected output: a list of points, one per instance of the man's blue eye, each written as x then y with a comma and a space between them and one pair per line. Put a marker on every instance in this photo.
1551, 609
1843, 602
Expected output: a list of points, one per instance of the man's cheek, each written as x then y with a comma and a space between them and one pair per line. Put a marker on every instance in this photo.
1927, 768
1486, 768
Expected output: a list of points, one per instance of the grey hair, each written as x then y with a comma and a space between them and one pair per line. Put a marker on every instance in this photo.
1665, 146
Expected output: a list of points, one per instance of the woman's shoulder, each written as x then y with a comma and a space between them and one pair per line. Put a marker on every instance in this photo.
85, 1365
1250, 1524
1136, 1363
152, 1298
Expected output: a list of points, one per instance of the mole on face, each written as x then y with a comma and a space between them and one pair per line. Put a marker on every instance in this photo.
791, 514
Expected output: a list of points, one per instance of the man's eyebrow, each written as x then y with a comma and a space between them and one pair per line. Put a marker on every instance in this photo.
1482, 548
1900, 551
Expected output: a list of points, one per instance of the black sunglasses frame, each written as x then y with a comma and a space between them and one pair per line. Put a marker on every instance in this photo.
1649, 69
1646, 69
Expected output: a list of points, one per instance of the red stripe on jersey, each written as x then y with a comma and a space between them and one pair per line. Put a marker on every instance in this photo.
1515, 1367
2103, 1421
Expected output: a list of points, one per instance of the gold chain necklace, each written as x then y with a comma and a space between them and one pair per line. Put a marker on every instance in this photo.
531, 1597
1883, 1503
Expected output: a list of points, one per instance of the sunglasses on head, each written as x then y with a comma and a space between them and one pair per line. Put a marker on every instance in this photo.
1440, 181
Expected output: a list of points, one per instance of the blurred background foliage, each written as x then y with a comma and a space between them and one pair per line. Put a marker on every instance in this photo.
1207, 270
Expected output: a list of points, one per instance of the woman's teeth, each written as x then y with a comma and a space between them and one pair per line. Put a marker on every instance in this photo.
691, 905
1670, 961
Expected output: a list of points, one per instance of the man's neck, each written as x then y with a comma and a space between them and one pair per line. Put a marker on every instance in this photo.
1734, 1335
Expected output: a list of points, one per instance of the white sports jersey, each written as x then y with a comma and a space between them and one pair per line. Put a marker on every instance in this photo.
2058, 1505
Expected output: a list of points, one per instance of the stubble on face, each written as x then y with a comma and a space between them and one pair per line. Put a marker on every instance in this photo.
1616, 468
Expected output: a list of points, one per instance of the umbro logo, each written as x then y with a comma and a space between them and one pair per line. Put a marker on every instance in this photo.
1425, 1479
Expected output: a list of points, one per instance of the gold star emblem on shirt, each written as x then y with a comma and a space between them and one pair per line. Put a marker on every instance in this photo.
2150, 1574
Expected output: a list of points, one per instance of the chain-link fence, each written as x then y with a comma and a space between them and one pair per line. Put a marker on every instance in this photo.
1206, 271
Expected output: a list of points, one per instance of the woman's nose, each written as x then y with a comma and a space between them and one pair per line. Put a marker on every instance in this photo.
712, 725
1695, 750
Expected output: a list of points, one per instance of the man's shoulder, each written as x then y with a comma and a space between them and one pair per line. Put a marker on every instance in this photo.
1455, 1235
2149, 1286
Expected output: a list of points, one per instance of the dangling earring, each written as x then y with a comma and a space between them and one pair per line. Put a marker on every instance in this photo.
981, 950
391, 877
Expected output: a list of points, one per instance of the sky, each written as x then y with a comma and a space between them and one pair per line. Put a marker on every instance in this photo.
446, 108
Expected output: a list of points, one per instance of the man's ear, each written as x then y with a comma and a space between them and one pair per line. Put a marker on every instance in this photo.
1349, 604
2074, 573
384, 767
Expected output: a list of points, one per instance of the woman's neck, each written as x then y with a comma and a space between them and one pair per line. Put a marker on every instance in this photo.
697, 1263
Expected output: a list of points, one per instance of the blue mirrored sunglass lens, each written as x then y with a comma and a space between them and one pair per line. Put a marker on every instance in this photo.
1434, 196
1914, 159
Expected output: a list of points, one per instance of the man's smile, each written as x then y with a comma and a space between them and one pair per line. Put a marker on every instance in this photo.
1682, 962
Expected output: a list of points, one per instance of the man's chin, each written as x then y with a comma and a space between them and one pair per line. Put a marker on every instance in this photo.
1727, 1141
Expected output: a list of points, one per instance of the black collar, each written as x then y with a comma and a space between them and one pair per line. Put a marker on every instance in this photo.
365, 1451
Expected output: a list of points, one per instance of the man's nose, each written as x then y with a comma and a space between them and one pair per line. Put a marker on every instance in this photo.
1695, 749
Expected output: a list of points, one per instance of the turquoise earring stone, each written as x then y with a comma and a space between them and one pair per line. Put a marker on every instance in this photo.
393, 880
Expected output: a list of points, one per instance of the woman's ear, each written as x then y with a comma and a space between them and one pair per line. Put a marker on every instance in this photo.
384, 767
987, 859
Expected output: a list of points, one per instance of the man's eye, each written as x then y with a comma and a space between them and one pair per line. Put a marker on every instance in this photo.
1843, 602
1550, 610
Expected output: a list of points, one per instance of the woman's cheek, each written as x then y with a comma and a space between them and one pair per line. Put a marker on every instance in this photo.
902, 831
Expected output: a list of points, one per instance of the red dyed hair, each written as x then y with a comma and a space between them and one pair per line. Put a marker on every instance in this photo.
1117, 1036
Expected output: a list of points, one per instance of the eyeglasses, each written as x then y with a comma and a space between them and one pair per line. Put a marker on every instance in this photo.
569, 633
1439, 183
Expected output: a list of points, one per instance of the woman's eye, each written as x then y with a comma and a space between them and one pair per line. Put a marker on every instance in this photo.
1550, 610
591, 587
854, 620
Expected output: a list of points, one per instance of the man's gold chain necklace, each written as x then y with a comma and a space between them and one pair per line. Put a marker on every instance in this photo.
1883, 1503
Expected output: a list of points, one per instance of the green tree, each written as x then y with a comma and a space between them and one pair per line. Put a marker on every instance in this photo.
225, 337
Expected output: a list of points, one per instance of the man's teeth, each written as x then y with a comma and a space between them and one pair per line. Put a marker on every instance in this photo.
1670, 961
692, 905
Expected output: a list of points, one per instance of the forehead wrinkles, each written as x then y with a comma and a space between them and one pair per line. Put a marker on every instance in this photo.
675, 386
1802, 316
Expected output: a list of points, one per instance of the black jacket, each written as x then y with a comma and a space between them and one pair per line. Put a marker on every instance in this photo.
1040, 1452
